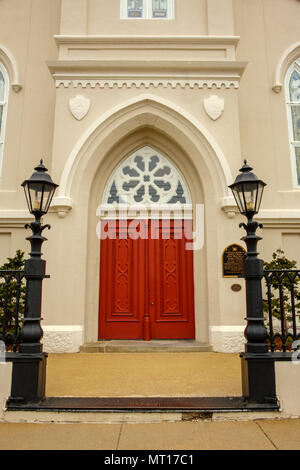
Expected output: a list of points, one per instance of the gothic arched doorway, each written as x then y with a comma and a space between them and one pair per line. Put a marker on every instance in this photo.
146, 270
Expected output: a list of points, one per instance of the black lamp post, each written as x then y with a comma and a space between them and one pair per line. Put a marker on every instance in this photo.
29, 364
258, 375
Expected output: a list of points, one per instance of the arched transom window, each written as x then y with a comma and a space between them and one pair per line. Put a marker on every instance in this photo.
146, 177
293, 109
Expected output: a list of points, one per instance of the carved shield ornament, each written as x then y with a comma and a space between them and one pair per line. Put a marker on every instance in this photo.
214, 106
79, 106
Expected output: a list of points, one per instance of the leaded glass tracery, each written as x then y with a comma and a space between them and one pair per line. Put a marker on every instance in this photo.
295, 110
159, 8
147, 9
135, 8
3, 107
295, 86
2, 87
146, 177
293, 104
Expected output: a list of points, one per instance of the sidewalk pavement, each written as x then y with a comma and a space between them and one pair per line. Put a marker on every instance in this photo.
160, 374
249, 435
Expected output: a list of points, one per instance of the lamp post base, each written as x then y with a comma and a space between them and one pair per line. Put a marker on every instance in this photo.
258, 378
28, 377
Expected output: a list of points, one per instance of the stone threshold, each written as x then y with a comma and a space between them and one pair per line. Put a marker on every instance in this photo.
121, 410
143, 404
131, 346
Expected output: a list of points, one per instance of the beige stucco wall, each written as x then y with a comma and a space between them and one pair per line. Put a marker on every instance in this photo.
27, 28
5, 385
237, 41
100, 17
267, 28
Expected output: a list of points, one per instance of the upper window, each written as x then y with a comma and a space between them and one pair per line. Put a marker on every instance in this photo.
147, 9
293, 109
3, 107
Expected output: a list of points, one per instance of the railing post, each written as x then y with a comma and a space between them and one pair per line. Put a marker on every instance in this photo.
258, 368
29, 363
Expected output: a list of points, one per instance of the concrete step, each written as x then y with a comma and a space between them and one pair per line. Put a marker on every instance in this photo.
131, 346
138, 410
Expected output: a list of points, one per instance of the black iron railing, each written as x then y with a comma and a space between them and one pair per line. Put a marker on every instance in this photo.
12, 305
281, 305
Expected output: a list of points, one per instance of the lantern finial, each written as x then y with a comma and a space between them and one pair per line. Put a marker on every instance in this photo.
245, 168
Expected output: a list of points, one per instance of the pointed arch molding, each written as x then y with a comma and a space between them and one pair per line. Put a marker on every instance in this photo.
11, 66
288, 57
159, 108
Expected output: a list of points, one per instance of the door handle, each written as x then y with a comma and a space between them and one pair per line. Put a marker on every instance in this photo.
152, 304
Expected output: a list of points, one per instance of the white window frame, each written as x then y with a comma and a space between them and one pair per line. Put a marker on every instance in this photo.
4, 104
147, 11
293, 144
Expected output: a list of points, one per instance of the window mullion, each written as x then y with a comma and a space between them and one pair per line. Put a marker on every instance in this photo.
148, 8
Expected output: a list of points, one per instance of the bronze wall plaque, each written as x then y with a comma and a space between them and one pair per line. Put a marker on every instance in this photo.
233, 261
236, 287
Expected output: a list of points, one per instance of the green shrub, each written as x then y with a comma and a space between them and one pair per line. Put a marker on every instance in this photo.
279, 261
8, 298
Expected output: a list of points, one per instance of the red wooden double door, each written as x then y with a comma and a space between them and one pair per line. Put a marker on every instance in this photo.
146, 281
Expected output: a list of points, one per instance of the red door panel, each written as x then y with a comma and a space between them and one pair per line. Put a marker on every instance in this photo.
146, 285
122, 285
171, 284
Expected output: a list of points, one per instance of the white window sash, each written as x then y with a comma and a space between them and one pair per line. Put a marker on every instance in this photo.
124, 11
170, 12
147, 11
3, 104
291, 123
292, 143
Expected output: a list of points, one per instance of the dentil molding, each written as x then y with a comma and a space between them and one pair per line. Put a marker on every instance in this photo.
147, 73
167, 83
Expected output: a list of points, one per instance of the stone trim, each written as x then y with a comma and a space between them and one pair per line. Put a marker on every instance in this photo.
156, 106
62, 338
14, 218
287, 382
287, 58
5, 385
147, 73
200, 84
10, 64
227, 339
279, 218
146, 41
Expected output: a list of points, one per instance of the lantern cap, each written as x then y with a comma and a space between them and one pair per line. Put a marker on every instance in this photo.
247, 191
40, 176
246, 176
244, 168
39, 190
